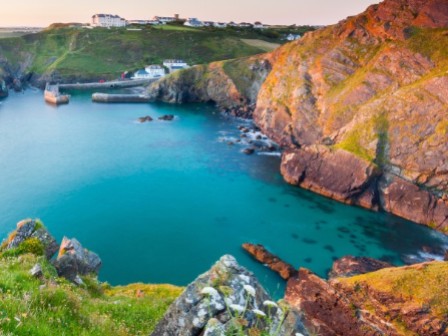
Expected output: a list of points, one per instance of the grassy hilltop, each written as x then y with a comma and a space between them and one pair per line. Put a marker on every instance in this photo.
96, 53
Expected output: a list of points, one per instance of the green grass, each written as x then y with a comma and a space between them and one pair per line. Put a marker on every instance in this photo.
423, 285
53, 306
106, 53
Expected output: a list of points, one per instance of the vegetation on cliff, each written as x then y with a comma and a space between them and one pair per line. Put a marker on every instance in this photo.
74, 53
414, 299
50, 305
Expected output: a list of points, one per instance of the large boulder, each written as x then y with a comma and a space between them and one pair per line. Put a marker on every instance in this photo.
32, 228
337, 174
265, 257
74, 260
226, 297
349, 266
409, 201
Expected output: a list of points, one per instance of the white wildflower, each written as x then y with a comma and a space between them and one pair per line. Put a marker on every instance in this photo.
228, 301
299, 334
269, 303
259, 313
237, 308
209, 291
250, 290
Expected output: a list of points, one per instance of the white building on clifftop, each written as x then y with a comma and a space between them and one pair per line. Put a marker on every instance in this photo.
107, 20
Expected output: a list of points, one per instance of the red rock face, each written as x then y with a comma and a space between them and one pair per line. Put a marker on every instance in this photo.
262, 255
335, 174
327, 311
349, 266
407, 200
335, 307
376, 87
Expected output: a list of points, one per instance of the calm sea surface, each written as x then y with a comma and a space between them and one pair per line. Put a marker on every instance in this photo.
160, 202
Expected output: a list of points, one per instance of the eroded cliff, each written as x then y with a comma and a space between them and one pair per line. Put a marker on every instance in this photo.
361, 107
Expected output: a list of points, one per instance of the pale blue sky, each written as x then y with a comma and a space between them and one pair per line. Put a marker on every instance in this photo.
44, 12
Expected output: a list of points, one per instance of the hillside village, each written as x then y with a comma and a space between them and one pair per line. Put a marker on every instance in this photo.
110, 20
156, 71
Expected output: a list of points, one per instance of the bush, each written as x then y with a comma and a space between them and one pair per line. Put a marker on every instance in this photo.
31, 245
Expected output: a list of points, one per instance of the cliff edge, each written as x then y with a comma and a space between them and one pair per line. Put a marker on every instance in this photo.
360, 107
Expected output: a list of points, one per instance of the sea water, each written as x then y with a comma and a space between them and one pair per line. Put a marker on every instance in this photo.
160, 202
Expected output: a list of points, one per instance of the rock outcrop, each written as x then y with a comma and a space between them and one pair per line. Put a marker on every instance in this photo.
362, 102
265, 257
349, 266
232, 85
373, 85
332, 173
73, 260
392, 301
225, 298
28, 229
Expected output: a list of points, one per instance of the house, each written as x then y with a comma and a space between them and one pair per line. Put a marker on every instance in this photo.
220, 24
166, 19
245, 25
293, 37
193, 22
150, 72
232, 24
175, 64
143, 22
107, 20
208, 23
259, 25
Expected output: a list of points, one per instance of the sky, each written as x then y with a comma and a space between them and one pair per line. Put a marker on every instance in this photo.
41, 13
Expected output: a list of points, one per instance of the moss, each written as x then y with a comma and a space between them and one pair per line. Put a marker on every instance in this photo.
442, 128
424, 285
241, 74
356, 141
39, 225
30, 245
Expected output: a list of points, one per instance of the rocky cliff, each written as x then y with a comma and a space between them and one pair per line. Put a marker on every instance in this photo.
362, 108
359, 106
233, 85
392, 301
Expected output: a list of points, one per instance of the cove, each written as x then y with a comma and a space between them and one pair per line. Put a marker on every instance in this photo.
161, 201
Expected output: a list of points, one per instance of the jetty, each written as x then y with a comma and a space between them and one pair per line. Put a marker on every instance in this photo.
108, 85
120, 98
3, 89
52, 95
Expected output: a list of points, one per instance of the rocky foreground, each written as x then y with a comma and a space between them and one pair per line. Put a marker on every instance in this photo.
363, 296
359, 107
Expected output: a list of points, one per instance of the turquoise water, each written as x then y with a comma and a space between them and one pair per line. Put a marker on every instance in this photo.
161, 201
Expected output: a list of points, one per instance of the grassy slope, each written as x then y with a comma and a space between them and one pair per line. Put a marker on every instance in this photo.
423, 285
103, 52
53, 306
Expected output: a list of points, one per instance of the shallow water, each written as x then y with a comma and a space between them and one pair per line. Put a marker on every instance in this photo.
161, 201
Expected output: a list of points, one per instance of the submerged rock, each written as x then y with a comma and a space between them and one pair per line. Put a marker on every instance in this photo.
216, 300
349, 266
262, 255
249, 151
74, 260
145, 119
167, 117
32, 228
